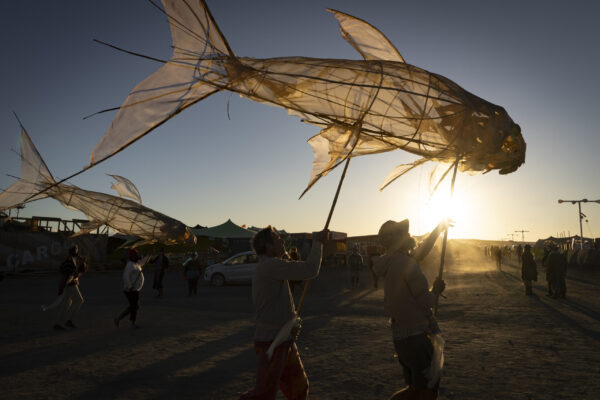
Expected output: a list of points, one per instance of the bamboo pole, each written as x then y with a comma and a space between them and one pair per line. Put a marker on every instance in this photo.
335, 198
441, 270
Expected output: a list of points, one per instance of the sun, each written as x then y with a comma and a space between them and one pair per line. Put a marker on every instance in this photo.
441, 205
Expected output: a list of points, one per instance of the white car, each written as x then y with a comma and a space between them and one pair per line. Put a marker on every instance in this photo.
236, 269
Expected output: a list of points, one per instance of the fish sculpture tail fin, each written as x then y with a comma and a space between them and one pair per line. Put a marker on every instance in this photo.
35, 176
197, 68
194, 30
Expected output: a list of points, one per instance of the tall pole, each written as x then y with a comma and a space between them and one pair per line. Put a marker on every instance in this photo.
522, 235
335, 199
580, 214
441, 271
580, 227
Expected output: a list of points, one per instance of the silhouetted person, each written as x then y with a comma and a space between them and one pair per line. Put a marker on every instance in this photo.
556, 271
528, 269
371, 259
133, 281
273, 308
161, 263
498, 258
408, 301
294, 256
71, 269
191, 272
356, 265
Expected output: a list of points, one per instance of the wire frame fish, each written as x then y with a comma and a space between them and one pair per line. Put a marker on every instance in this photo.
123, 215
374, 105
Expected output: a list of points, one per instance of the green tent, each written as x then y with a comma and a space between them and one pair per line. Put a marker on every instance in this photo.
227, 230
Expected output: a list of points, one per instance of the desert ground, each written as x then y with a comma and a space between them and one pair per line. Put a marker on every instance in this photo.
500, 344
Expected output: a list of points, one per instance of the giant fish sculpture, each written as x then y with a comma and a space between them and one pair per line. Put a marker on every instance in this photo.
368, 106
123, 215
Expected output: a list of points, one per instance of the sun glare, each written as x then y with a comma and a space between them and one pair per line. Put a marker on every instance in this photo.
441, 206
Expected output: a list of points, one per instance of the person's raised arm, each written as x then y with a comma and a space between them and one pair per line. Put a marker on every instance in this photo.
301, 270
425, 247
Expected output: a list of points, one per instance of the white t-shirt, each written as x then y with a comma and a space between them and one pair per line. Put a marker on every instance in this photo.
133, 278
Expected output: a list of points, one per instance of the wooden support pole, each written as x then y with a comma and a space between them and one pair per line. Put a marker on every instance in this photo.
335, 198
441, 270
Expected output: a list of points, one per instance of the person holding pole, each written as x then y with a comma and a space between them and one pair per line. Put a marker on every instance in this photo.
408, 302
281, 366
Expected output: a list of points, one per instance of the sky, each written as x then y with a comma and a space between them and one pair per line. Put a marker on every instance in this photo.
231, 158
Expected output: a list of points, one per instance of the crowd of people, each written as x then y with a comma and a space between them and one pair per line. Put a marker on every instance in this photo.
408, 300
552, 258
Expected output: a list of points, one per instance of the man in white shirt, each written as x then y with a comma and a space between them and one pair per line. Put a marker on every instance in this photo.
133, 281
273, 308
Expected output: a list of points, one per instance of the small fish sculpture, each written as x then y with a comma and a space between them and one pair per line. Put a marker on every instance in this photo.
374, 105
123, 215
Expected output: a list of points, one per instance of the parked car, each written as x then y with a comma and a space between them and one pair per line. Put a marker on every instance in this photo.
236, 269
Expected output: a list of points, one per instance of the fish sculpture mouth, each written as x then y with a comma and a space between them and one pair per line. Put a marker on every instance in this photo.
514, 146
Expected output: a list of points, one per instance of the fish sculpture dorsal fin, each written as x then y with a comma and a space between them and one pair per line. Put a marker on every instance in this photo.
366, 39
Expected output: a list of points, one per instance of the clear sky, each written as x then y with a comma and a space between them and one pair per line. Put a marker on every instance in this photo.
537, 59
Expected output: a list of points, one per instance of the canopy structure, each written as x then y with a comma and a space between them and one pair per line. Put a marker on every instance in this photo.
227, 230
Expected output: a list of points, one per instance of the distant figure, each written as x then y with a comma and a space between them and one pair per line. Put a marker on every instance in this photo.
133, 281
191, 272
519, 251
70, 299
528, 269
273, 309
371, 259
294, 256
161, 263
556, 272
498, 257
408, 301
355, 263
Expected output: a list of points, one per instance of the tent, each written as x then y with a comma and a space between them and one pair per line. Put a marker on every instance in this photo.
227, 230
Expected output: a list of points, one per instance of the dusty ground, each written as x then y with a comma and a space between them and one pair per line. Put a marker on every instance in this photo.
500, 344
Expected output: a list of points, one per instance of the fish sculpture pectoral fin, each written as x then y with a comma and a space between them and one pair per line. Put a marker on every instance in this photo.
401, 170
331, 147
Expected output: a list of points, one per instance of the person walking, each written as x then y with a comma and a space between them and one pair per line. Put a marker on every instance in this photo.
408, 302
133, 281
528, 269
161, 263
273, 309
556, 273
498, 257
552, 264
370, 259
191, 272
70, 298
356, 265
294, 255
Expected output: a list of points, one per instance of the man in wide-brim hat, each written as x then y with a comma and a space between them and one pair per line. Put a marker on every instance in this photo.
408, 302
